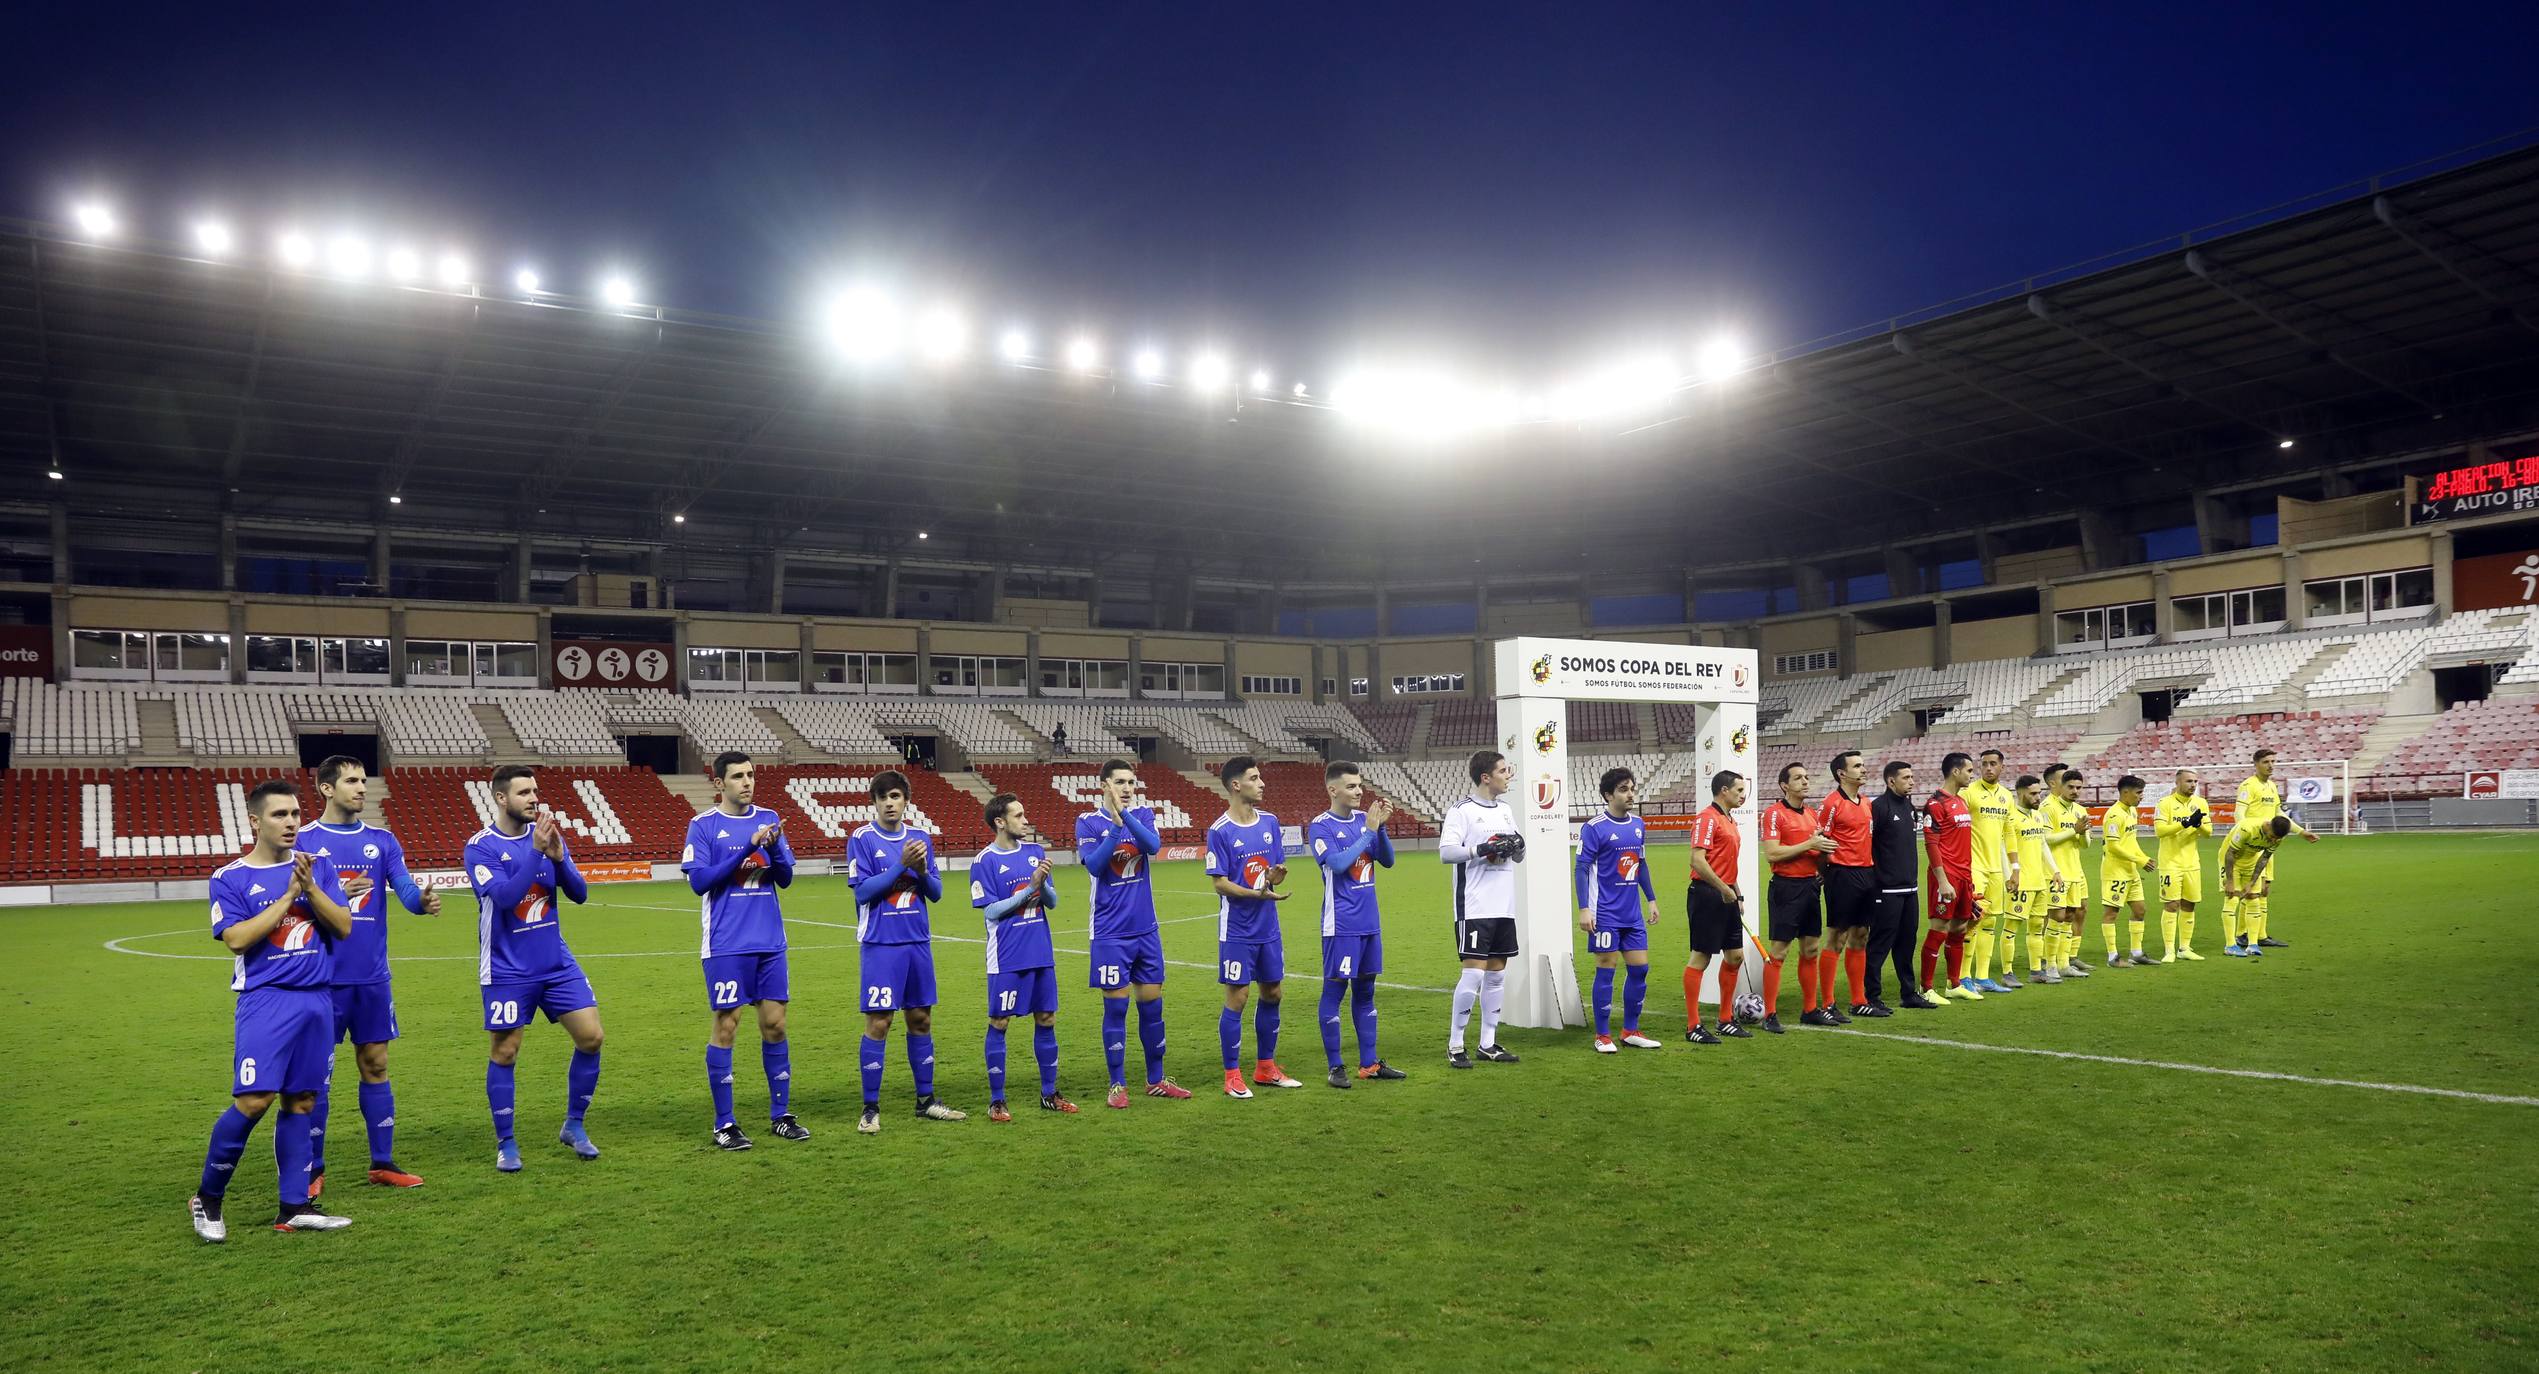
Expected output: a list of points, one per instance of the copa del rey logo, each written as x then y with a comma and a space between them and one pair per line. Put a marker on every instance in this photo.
1546, 791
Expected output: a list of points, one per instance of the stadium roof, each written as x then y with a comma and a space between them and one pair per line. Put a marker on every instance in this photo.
165, 385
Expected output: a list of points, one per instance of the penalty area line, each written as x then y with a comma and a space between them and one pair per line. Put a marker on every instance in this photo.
2462, 1094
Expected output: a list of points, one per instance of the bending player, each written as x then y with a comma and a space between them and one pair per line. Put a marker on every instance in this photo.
2246, 857
2120, 867
736, 858
1348, 844
1116, 842
369, 862
281, 914
2180, 822
2260, 802
1246, 863
1716, 911
1015, 887
1480, 843
1612, 876
519, 866
891, 866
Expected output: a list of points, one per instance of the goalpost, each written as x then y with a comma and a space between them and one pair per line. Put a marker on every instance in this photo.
1535, 681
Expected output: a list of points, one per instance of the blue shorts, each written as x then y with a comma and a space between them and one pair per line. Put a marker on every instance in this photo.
1251, 961
365, 1014
1352, 956
1126, 961
284, 1041
510, 1006
896, 977
733, 979
1022, 992
1610, 939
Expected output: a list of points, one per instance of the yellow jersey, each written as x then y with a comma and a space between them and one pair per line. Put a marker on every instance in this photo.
2033, 830
1991, 802
2125, 858
2070, 824
2248, 839
2259, 800
2181, 846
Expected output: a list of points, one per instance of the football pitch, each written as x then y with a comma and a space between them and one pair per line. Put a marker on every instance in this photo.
1890, 1197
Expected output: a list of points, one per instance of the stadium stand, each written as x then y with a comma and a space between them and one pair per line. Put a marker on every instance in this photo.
1795, 705
2500, 732
1601, 722
1463, 725
974, 726
2233, 740
1283, 727
835, 726
1294, 793
72, 722
558, 722
1087, 734
1055, 794
718, 724
822, 804
1389, 726
1190, 727
2378, 663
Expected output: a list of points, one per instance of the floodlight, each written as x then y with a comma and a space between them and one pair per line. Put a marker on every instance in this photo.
1300, 391
1016, 345
1208, 372
1084, 355
1720, 359
404, 265
212, 237
679, 519
348, 256
1148, 364
296, 251
617, 291
94, 219
395, 500
526, 280
1261, 380
942, 335
2283, 443
453, 270
864, 324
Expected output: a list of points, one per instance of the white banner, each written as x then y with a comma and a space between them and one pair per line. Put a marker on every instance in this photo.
1600, 670
2310, 791
2508, 784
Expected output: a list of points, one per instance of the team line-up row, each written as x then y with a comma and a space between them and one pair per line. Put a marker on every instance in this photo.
302, 911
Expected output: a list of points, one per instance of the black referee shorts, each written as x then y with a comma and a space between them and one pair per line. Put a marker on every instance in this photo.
1794, 911
1851, 896
1717, 926
1899, 910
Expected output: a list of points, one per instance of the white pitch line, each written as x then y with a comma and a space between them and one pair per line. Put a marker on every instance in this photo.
2505, 1099
1176, 963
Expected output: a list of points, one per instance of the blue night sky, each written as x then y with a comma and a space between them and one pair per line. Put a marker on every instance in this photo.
1510, 187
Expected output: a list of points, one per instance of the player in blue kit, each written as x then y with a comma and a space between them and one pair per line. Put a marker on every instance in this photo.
281, 914
1246, 863
736, 858
1348, 843
1116, 842
891, 865
370, 864
1014, 886
1612, 877
519, 868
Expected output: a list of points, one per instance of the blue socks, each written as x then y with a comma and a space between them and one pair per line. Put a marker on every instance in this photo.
996, 1063
379, 1120
921, 1062
776, 1056
580, 1081
498, 1079
1150, 1034
1044, 1047
229, 1142
874, 1051
1115, 1038
291, 1142
1362, 1008
1328, 1012
1604, 1001
1265, 1027
718, 1077
317, 1124
1230, 1037
1635, 991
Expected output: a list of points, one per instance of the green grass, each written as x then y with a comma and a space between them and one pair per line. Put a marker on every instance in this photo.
1817, 1200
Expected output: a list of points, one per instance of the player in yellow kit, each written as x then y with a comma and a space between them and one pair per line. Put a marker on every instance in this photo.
2246, 856
2031, 901
2120, 869
1990, 801
2180, 822
2259, 801
2067, 834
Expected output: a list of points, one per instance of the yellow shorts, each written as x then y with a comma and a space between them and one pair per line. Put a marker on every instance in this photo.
2121, 889
2029, 903
2061, 893
2244, 873
2182, 885
1991, 893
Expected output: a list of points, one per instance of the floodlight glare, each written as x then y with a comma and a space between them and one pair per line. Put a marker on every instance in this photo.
404, 265
1626, 387
1016, 345
1720, 359
617, 291
864, 324
1261, 380
94, 219
2283, 443
921, 534
942, 336
1149, 364
53, 473
679, 519
453, 270
1300, 391
1084, 355
526, 280
1208, 372
212, 237
395, 500
296, 251
348, 256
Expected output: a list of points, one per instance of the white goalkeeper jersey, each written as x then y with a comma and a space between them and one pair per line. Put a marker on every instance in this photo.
1483, 890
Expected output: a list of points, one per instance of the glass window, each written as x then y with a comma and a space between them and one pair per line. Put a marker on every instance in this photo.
518, 662
780, 667
203, 653
97, 649
368, 656
2402, 590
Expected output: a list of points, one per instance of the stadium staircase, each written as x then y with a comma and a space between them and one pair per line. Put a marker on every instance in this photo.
1419, 729
699, 793
1206, 782
499, 736
797, 749
979, 788
2086, 747
159, 747
2386, 737
1039, 741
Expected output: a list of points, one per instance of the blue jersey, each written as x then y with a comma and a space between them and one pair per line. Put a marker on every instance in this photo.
1116, 853
1613, 870
1019, 939
519, 937
890, 897
1243, 855
736, 881
297, 953
1348, 852
361, 958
